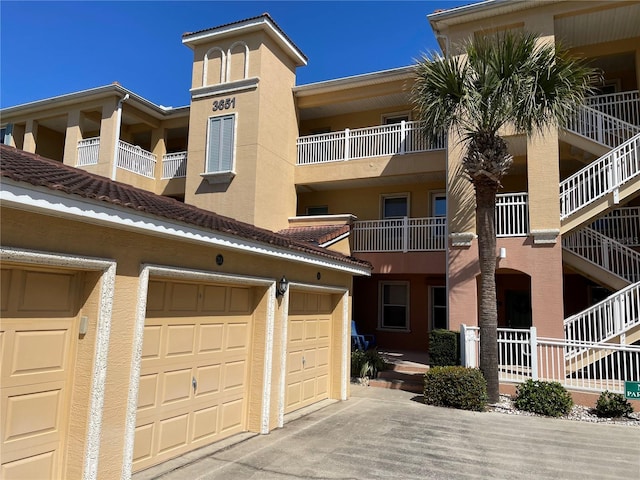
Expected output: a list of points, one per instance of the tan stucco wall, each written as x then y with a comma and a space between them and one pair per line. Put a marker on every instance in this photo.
130, 251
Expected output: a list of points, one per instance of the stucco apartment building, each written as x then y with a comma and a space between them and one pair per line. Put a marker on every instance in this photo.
143, 246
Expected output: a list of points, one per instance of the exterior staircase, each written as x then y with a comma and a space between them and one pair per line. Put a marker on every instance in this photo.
587, 198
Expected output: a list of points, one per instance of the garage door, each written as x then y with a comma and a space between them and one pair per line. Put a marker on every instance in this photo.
308, 349
194, 371
37, 343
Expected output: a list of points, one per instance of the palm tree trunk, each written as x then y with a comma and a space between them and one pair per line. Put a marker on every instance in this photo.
488, 315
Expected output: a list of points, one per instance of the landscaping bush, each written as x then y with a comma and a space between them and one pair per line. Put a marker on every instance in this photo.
443, 348
545, 398
611, 405
367, 363
455, 387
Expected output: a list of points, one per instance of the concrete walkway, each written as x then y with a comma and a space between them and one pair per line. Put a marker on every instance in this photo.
388, 434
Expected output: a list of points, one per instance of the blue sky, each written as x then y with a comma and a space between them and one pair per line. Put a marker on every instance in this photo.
52, 48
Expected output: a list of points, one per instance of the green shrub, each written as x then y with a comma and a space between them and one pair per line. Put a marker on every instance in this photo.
611, 405
545, 398
366, 364
455, 387
443, 348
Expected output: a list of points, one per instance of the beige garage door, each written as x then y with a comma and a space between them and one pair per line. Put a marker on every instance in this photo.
194, 372
308, 349
37, 343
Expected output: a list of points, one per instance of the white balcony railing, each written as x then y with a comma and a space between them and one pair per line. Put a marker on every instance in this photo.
383, 140
174, 165
605, 320
605, 175
130, 157
621, 224
512, 215
135, 159
400, 235
604, 252
622, 105
88, 151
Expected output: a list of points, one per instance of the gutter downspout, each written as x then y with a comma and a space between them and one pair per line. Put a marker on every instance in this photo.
117, 140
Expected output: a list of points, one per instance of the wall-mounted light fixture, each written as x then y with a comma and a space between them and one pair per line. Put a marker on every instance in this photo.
503, 252
281, 287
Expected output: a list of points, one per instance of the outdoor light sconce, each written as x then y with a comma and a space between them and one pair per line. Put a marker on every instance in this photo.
281, 287
503, 253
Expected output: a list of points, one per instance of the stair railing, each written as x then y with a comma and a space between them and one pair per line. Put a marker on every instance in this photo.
601, 177
607, 319
604, 252
600, 127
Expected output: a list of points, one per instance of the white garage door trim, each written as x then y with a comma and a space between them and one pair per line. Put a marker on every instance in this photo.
173, 273
108, 268
344, 347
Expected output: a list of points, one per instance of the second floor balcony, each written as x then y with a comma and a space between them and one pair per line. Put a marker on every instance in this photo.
383, 140
429, 234
134, 159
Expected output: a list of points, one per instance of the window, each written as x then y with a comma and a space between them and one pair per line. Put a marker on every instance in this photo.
393, 118
220, 147
439, 205
319, 210
394, 308
395, 206
5, 135
438, 307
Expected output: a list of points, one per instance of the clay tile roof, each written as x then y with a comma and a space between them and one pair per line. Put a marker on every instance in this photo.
318, 234
21, 166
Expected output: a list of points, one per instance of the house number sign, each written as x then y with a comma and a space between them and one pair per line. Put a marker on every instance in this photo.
224, 104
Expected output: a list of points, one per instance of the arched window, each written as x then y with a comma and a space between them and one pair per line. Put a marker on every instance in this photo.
238, 62
213, 67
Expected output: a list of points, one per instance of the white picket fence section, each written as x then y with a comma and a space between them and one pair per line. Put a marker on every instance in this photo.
618, 259
605, 175
522, 355
174, 165
607, 319
621, 224
400, 235
88, 151
135, 159
512, 215
622, 105
383, 140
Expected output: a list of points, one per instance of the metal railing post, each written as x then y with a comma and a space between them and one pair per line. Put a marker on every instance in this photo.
405, 234
403, 137
346, 144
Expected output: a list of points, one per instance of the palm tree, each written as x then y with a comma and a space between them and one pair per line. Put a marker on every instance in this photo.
509, 79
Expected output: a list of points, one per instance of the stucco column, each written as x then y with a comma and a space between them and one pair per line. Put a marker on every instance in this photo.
72, 137
543, 178
30, 136
158, 148
107, 137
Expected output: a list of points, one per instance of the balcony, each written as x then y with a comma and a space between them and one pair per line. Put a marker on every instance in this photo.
384, 140
429, 234
134, 159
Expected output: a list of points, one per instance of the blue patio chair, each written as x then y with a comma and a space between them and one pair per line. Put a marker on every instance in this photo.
361, 341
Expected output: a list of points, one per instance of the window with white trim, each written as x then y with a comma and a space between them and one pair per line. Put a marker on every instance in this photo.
394, 305
438, 307
221, 144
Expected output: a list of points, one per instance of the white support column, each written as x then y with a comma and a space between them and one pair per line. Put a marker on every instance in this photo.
533, 345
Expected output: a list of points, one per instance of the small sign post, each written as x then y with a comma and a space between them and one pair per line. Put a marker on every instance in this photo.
632, 390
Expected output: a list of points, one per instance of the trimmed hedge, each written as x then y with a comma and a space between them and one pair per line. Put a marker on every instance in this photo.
612, 405
545, 398
443, 348
456, 387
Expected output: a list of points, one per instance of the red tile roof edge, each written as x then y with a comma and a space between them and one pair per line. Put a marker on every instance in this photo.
21, 166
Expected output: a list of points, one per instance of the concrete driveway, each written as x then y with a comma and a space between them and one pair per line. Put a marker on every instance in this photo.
384, 434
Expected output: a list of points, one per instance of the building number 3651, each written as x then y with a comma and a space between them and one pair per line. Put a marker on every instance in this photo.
224, 104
